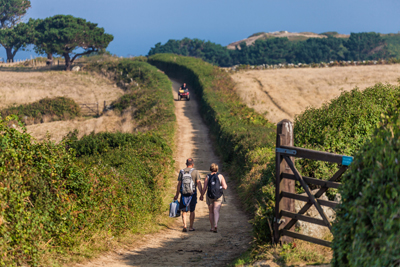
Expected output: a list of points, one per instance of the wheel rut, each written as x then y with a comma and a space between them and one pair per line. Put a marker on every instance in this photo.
270, 97
172, 247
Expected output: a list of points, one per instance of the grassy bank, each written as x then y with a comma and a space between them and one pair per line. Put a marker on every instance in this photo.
68, 201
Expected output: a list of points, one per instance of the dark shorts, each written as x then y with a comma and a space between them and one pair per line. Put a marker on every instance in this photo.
192, 205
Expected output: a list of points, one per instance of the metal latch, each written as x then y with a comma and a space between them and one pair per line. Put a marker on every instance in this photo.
286, 151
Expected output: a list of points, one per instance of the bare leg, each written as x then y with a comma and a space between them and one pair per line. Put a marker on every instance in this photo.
211, 215
184, 218
217, 207
192, 216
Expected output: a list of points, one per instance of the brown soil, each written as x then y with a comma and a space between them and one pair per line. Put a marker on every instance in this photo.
285, 93
172, 247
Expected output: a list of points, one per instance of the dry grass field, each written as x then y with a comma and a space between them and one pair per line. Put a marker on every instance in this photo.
285, 93
20, 87
108, 122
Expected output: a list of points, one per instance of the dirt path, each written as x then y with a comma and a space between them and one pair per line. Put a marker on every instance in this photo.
172, 247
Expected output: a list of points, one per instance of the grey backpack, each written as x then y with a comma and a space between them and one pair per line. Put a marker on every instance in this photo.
188, 186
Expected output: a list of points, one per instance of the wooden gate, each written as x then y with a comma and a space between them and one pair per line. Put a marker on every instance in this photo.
287, 175
90, 109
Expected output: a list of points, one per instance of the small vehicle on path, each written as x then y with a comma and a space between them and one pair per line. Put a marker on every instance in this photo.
183, 94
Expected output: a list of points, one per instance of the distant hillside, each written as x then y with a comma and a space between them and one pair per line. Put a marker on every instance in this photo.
285, 47
292, 36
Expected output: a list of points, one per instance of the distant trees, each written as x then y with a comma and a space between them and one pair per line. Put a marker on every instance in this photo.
360, 46
69, 37
366, 45
208, 51
11, 13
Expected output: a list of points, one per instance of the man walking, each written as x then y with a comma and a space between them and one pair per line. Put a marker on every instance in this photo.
188, 180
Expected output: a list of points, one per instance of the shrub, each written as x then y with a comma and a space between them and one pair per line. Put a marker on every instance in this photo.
341, 126
58, 108
367, 228
51, 202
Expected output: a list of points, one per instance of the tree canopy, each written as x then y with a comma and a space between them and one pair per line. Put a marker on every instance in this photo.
16, 38
11, 12
69, 37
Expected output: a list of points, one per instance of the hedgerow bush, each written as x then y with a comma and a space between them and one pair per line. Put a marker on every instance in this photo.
57, 200
58, 108
342, 125
51, 202
244, 138
367, 229
148, 91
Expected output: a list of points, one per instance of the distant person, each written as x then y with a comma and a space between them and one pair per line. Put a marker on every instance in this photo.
183, 87
214, 185
188, 180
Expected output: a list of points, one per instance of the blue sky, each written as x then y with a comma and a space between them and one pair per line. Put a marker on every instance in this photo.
139, 25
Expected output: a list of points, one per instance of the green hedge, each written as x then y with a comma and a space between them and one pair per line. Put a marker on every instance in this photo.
367, 228
244, 138
341, 126
60, 199
58, 108
52, 202
147, 90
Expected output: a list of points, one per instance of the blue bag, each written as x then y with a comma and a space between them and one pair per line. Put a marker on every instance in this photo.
174, 209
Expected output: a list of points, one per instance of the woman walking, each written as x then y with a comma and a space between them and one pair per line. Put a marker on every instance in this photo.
214, 185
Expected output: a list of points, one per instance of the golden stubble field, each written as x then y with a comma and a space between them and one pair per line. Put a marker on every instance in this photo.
284, 93
20, 87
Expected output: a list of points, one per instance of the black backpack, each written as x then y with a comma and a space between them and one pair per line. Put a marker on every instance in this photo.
214, 188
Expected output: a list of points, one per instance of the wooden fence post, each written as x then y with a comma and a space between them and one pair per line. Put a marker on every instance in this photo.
284, 137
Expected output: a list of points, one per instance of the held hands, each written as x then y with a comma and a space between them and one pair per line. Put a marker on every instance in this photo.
201, 197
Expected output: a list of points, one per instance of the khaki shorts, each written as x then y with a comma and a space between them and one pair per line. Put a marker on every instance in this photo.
210, 201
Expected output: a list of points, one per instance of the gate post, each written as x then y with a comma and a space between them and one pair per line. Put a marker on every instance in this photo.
284, 137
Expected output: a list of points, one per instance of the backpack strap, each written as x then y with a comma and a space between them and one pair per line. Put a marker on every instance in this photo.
191, 170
